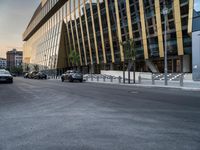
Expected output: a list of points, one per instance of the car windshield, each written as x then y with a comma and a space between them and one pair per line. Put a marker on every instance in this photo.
4, 72
72, 71
75, 71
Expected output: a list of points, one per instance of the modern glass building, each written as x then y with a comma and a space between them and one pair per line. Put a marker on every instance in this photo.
95, 29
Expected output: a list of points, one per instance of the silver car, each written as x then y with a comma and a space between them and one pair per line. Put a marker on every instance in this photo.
72, 75
5, 76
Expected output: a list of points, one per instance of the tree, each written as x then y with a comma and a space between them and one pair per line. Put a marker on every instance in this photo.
36, 67
27, 68
17, 70
129, 55
74, 58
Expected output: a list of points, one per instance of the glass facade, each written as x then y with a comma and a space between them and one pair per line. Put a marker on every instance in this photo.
43, 46
96, 29
196, 16
197, 7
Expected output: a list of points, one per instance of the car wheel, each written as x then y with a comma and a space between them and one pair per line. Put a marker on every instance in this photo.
71, 79
81, 80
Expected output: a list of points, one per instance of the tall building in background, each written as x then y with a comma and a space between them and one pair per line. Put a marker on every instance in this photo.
14, 58
3, 63
95, 29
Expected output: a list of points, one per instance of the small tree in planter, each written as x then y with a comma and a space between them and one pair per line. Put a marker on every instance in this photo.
36, 67
74, 58
130, 55
27, 68
17, 70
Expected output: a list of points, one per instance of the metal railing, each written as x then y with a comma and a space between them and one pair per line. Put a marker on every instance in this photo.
158, 77
152, 79
170, 76
103, 78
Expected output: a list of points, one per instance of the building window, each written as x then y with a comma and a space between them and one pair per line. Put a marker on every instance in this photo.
197, 6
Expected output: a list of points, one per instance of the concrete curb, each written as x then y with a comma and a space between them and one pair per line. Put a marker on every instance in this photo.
145, 85
150, 86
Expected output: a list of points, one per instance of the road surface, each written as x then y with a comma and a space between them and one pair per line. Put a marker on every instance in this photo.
51, 115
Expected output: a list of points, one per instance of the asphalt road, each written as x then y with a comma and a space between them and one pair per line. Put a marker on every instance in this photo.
50, 115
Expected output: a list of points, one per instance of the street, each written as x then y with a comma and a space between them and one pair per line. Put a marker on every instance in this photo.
51, 115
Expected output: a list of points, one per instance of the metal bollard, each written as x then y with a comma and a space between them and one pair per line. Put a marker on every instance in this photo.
181, 81
120, 79
111, 79
153, 81
139, 79
104, 79
91, 77
97, 78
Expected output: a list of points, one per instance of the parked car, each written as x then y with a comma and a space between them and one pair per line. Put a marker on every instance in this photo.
26, 75
5, 76
13, 74
32, 74
72, 75
40, 75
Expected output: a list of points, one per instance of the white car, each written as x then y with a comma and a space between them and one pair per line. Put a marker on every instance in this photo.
5, 76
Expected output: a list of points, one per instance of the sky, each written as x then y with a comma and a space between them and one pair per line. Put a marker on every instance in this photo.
14, 17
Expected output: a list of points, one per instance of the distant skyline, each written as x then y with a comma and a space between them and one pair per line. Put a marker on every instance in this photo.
14, 17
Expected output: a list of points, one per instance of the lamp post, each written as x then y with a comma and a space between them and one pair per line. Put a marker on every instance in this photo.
44, 61
165, 13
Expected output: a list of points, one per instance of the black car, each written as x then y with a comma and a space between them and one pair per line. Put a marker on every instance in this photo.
72, 75
40, 75
5, 76
13, 74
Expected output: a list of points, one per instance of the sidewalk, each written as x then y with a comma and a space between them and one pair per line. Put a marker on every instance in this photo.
187, 85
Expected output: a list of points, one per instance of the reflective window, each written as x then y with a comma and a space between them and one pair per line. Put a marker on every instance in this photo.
196, 15
76, 3
197, 6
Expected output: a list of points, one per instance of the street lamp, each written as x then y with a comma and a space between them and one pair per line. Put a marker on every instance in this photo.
44, 63
165, 13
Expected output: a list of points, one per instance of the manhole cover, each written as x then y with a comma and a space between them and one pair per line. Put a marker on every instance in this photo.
133, 92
